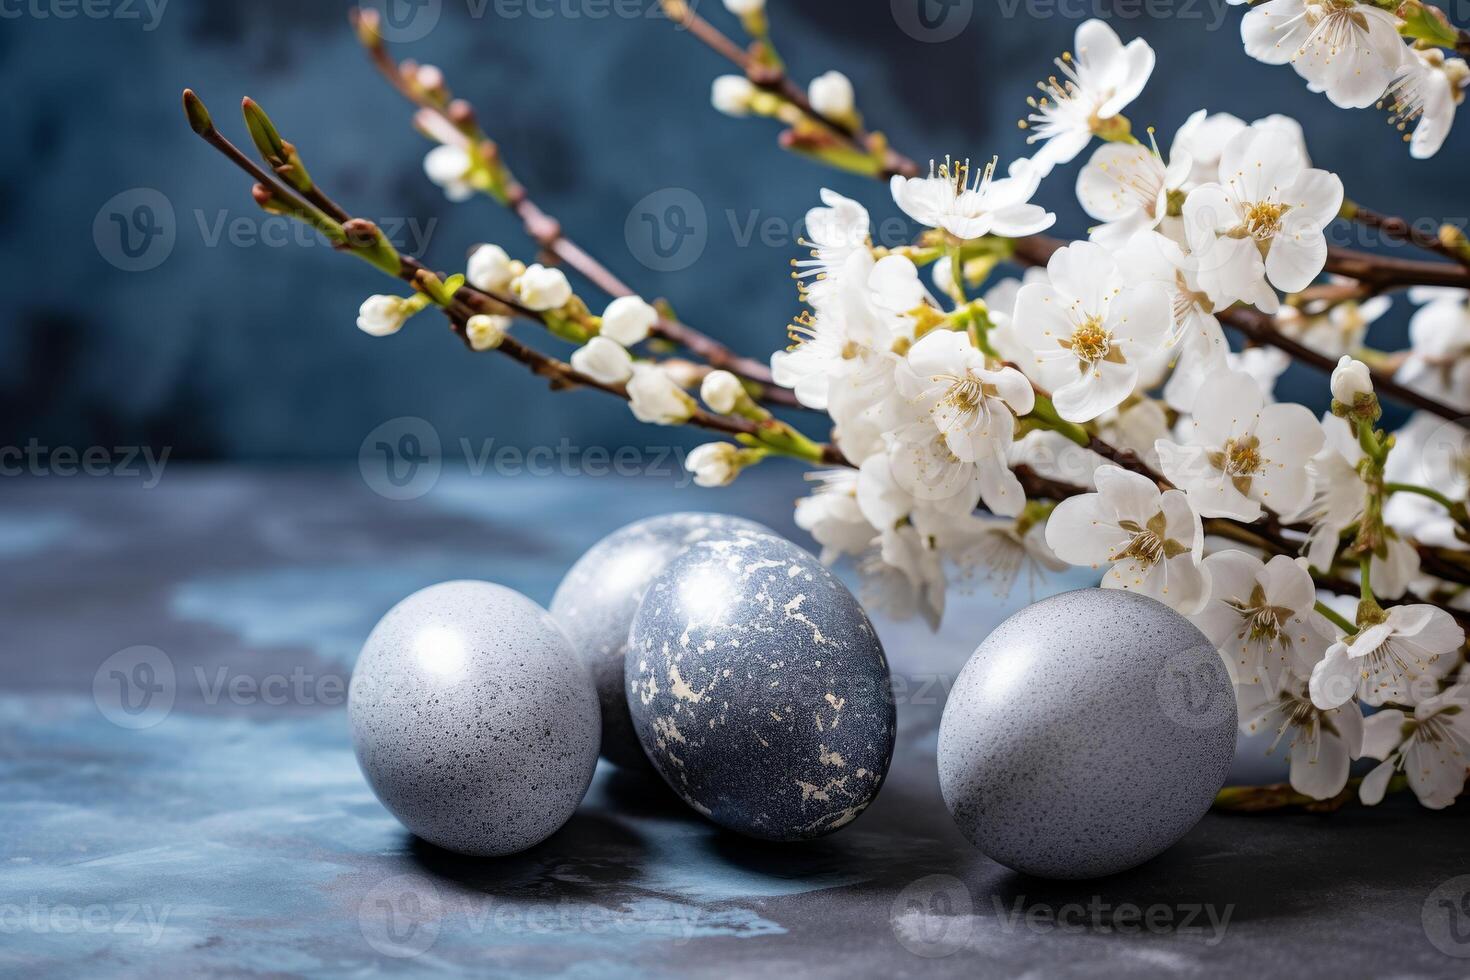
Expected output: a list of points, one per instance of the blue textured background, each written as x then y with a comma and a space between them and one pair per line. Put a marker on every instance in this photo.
250, 352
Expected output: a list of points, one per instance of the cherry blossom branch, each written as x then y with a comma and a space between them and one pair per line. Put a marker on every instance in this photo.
545, 230
1400, 230
774, 79
361, 237
1037, 251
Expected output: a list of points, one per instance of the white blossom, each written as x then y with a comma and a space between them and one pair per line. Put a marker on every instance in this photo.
490, 269
654, 396
1338, 493
834, 233
628, 320
1089, 332
1262, 617
1423, 98
1322, 744
972, 208
744, 8
1153, 541
847, 343
1389, 661
1129, 189
1096, 85
904, 576
830, 93
1239, 453
1431, 748
1333, 329
998, 549
540, 288
1438, 364
486, 332
1263, 221
832, 516
1349, 50
603, 360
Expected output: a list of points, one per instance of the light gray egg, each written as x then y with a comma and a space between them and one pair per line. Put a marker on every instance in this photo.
759, 689
596, 601
1087, 734
473, 720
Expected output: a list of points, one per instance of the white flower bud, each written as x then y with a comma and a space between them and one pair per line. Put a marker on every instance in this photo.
603, 360
429, 78
655, 397
715, 464
721, 391
381, 316
744, 8
831, 95
490, 269
628, 320
731, 94
486, 332
448, 166
1351, 379
943, 275
541, 289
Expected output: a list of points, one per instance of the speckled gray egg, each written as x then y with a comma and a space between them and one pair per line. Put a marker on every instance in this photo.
595, 604
473, 720
759, 689
1087, 734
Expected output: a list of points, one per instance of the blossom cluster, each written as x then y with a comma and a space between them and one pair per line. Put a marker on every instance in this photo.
938, 400
1356, 54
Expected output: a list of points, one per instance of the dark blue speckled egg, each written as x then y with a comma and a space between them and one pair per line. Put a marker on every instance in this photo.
595, 604
759, 689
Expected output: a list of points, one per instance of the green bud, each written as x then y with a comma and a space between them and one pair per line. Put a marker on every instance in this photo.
199, 119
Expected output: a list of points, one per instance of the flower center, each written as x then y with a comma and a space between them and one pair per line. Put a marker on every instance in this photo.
1263, 219
1090, 341
1148, 544
1243, 457
1261, 622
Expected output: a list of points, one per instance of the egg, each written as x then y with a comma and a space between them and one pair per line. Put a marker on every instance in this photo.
596, 601
473, 720
759, 689
1088, 733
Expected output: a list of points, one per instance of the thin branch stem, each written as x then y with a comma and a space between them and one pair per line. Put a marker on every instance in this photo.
1399, 230
549, 234
778, 82
468, 301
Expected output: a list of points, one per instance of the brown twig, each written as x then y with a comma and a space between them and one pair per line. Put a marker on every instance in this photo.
1399, 230
550, 236
468, 301
1037, 251
775, 80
